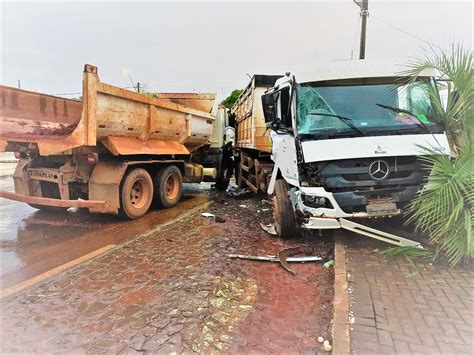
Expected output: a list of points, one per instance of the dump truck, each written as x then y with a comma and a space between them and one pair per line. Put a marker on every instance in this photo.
115, 152
341, 143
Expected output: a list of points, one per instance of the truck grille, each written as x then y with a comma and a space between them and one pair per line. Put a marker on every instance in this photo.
353, 182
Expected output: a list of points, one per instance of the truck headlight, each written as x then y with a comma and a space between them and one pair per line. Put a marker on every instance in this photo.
316, 201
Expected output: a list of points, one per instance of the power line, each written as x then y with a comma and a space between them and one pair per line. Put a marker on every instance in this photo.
406, 32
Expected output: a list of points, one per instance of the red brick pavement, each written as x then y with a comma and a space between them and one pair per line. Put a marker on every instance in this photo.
177, 291
394, 310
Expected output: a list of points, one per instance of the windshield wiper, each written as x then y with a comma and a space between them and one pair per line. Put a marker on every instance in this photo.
419, 122
346, 120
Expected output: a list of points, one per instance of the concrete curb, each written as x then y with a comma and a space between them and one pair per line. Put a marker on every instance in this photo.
341, 341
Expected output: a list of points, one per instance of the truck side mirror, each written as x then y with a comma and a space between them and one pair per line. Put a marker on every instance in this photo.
269, 107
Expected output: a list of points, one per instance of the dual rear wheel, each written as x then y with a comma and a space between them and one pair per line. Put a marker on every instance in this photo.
138, 190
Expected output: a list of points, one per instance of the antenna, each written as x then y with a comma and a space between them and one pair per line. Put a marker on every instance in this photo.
133, 84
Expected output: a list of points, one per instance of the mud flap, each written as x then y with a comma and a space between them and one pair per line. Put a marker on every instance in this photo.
104, 184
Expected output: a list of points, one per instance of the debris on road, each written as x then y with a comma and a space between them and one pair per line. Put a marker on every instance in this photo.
219, 219
274, 258
327, 345
243, 206
216, 218
328, 264
284, 254
283, 257
269, 228
237, 192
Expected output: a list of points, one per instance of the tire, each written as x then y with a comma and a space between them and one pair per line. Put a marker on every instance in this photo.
283, 214
136, 194
168, 185
225, 172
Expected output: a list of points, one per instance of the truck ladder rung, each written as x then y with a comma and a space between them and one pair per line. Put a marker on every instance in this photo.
377, 234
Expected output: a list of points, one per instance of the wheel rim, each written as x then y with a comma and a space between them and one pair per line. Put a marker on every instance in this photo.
172, 187
139, 193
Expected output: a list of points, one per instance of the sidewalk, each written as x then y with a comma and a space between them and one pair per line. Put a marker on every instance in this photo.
394, 311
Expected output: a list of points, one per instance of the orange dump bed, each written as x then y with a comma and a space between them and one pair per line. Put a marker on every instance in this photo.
123, 121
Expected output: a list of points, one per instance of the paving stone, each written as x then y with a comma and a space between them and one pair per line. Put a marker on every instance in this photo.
430, 312
186, 295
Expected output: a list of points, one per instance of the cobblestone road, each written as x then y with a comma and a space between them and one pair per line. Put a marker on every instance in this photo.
177, 291
397, 309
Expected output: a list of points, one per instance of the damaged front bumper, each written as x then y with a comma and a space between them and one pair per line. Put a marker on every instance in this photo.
319, 209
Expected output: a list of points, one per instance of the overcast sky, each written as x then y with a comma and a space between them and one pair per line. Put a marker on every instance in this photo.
209, 46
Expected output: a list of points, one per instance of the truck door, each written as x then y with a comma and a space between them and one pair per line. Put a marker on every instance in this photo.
278, 108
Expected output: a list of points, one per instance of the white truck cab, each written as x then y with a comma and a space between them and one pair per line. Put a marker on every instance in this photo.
348, 141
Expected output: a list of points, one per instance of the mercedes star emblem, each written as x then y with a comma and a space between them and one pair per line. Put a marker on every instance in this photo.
378, 170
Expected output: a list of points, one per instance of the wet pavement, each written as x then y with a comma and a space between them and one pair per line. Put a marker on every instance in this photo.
176, 290
33, 241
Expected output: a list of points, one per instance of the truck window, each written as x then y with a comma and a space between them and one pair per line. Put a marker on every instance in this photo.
285, 114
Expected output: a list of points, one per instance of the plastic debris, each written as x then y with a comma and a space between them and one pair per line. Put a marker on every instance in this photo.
320, 340
72, 209
269, 228
243, 206
328, 264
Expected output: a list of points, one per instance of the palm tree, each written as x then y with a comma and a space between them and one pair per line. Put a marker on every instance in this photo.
445, 207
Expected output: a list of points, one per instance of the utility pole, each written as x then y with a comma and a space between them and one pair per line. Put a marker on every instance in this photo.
19, 86
138, 87
364, 13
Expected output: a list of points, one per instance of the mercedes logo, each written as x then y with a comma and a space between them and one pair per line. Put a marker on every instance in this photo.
378, 170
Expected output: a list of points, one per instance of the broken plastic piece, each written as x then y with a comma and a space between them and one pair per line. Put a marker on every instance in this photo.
208, 215
328, 264
269, 228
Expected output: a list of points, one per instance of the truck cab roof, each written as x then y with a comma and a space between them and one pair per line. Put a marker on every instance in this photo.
354, 69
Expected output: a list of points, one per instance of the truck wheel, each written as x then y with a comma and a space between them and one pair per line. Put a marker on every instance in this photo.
283, 214
136, 194
168, 184
224, 174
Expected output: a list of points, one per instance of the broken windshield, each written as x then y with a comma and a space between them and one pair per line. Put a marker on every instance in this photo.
317, 106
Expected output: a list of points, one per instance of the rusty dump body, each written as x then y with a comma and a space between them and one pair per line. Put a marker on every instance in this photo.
252, 135
251, 129
121, 129
119, 119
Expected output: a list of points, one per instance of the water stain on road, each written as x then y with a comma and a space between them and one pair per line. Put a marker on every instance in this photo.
33, 242
177, 290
